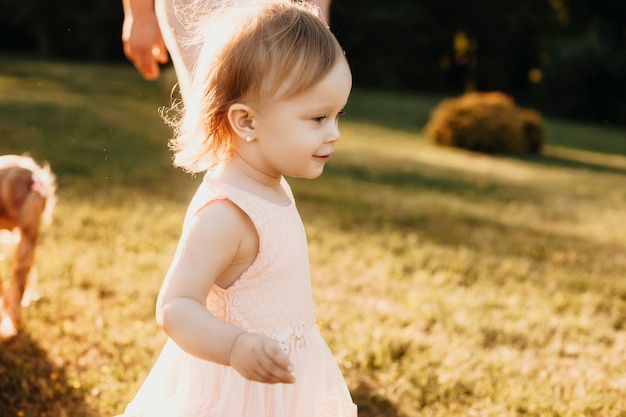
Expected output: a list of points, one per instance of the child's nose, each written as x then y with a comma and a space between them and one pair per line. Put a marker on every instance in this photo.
334, 135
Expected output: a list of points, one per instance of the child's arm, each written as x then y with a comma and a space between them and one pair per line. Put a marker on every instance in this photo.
211, 246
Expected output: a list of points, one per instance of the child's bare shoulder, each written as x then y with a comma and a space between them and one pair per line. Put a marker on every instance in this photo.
220, 217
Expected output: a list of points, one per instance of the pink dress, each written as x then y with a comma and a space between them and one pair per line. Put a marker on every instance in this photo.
273, 297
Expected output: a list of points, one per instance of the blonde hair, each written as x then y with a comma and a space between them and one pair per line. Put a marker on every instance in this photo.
251, 52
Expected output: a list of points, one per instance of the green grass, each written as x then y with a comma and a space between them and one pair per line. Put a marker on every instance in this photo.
447, 283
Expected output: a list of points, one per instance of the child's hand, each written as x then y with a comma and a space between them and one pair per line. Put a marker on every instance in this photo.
259, 358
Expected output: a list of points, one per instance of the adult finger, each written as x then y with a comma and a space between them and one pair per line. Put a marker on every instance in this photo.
147, 65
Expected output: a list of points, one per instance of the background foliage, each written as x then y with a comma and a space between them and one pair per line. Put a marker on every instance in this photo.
566, 56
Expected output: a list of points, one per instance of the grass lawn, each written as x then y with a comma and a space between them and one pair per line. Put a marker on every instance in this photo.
447, 283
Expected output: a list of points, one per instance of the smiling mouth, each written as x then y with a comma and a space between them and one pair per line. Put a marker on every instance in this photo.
323, 156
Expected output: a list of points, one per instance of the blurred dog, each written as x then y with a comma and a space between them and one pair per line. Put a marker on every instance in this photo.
27, 199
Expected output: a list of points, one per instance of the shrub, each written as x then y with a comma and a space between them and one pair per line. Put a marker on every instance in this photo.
486, 122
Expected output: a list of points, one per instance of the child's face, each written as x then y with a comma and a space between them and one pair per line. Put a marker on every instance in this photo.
297, 135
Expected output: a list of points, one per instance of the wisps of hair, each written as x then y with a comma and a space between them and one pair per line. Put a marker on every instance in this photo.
251, 51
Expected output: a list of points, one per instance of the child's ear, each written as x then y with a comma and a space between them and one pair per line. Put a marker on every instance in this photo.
241, 119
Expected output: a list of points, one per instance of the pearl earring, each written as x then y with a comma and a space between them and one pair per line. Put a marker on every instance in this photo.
248, 138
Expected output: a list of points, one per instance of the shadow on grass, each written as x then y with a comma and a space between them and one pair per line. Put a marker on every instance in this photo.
571, 163
372, 404
455, 227
430, 177
32, 385
426, 176
483, 186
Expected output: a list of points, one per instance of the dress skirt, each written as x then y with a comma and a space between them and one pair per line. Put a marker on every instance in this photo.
181, 385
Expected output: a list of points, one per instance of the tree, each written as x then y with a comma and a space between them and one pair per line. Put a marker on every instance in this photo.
63, 29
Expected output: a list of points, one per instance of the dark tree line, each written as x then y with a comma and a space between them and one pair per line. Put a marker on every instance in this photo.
568, 56
69, 29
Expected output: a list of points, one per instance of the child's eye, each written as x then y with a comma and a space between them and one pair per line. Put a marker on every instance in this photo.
319, 119
341, 113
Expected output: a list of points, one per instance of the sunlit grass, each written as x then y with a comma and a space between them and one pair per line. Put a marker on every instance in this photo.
489, 286
447, 283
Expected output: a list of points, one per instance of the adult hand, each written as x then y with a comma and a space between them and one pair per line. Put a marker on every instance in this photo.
259, 358
143, 44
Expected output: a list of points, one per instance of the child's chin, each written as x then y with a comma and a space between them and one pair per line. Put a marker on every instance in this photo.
314, 175
310, 175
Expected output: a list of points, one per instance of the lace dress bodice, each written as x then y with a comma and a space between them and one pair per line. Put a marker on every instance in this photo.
273, 296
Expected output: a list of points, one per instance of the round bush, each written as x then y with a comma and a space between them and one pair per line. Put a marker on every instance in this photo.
486, 122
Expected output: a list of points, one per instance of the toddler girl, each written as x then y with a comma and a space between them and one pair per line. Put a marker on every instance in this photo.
237, 304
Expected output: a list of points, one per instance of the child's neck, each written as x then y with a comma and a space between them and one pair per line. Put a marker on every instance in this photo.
240, 164
238, 173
